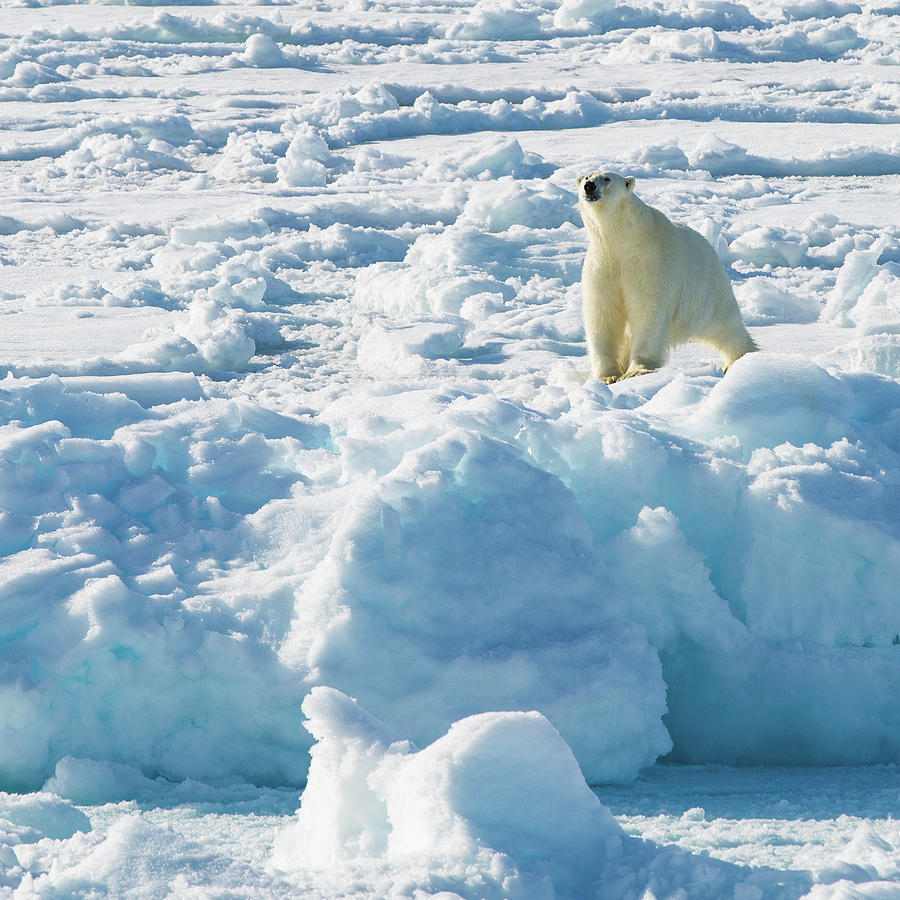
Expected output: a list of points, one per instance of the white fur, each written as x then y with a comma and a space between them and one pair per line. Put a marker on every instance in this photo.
649, 284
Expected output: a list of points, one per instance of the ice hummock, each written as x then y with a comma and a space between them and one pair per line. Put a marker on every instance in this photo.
495, 808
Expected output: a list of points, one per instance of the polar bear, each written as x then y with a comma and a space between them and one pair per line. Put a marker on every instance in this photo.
649, 284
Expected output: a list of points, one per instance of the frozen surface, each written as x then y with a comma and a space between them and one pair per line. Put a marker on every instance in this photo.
293, 406
373, 795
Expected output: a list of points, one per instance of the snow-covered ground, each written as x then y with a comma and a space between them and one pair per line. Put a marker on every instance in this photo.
294, 409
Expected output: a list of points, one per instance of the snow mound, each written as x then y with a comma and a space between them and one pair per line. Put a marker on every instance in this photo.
870, 353
260, 50
767, 246
573, 13
209, 337
432, 604
475, 266
867, 292
371, 794
766, 400
494, 809
305, 162
762, 302
493, 158
506, 202
89, 781
28, 818
99, 154
507, 20
114, 652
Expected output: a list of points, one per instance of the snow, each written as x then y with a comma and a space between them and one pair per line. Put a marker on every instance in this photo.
371, 794
295, 422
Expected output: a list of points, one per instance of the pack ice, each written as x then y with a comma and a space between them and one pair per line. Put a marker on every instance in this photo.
295, 427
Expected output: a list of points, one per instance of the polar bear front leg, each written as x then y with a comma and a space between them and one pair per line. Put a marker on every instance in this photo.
648, 345
604, 328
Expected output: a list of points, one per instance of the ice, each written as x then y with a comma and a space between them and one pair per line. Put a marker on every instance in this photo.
872, 353
770, 247
91, 537
433, 561
763, 302
304, 163
455, 819
41, 815
294, 407
677, 602
866, 292
490, 160
260, 50
88, 781
372, 794
492, 19
574, 12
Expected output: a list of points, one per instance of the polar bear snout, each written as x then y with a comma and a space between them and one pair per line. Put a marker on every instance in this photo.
595, 186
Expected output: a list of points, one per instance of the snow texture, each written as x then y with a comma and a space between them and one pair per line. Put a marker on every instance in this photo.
294, 408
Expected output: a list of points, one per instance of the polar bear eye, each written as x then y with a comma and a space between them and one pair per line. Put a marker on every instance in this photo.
606, 179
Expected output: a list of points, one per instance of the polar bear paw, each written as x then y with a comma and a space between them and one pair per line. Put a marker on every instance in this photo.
638, 369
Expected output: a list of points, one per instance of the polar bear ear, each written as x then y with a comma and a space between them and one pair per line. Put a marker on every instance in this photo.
629, 182
580, 180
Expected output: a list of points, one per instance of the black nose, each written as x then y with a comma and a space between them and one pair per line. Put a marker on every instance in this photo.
590, 189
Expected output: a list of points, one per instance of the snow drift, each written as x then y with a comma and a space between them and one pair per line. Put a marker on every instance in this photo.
455, 816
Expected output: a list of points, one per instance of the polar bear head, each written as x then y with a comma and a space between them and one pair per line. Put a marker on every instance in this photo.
602, 191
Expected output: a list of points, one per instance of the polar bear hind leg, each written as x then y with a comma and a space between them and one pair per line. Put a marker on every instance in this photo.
732, 343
